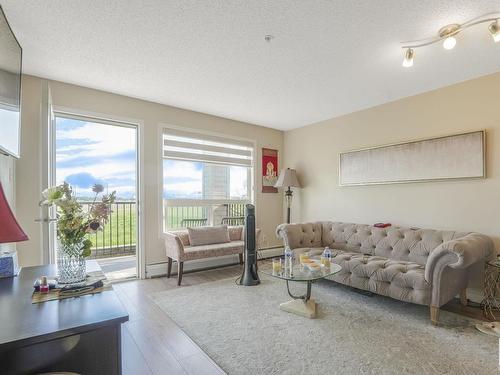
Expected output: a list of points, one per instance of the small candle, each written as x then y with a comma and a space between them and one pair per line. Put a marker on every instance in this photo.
325, 261
303, 257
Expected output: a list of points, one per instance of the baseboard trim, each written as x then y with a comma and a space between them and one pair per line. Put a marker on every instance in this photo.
475, 295
160, 269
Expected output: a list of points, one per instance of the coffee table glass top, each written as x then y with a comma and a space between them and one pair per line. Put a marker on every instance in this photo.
303, 273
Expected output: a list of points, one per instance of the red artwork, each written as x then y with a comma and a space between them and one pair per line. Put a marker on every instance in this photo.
269, 170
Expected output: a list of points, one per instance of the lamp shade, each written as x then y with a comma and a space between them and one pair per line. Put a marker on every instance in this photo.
287, 178
10, 231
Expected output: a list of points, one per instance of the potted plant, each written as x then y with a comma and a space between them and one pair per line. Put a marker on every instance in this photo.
74, 223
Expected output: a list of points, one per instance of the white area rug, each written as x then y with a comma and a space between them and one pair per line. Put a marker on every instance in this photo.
243, 330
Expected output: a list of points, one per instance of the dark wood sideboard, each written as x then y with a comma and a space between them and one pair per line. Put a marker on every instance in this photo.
81, 335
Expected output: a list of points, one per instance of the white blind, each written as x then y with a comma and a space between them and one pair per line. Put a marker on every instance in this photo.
186, 145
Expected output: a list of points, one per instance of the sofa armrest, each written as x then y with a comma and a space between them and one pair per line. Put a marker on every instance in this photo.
459, 253
300, 235
173, 246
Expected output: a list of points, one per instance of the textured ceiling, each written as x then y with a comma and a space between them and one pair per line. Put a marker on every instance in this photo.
328, 58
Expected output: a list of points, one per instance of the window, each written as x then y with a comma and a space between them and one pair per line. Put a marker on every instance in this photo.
207, 180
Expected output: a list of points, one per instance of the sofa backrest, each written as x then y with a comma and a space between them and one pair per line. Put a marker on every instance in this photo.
397, 243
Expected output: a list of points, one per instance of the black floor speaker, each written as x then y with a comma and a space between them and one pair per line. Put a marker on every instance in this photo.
250, 276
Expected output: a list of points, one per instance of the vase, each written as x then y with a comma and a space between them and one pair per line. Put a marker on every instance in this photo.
71, 267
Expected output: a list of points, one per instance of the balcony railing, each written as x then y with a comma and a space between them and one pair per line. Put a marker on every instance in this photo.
118, 236
182, 214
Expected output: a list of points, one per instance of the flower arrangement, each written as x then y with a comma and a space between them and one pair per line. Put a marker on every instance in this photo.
73, 222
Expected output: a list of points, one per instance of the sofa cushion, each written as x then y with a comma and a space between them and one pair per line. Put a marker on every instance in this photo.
401, 280
213, 250
208, 235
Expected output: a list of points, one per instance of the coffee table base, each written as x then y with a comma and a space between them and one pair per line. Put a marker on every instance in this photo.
300, 307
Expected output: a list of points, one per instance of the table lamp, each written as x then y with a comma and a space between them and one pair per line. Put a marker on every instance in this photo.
10, 231
288, 178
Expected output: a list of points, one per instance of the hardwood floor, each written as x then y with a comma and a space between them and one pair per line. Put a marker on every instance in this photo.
153, 344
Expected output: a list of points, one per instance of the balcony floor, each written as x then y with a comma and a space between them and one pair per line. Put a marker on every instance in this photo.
119, 268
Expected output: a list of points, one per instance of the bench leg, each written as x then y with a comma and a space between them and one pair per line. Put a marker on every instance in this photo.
463, 297
241, 258
169, 267
434, 315
179, 272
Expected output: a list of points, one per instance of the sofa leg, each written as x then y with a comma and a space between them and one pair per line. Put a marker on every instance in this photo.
241, 258
169, 267
434, 315
463, 297
179, 272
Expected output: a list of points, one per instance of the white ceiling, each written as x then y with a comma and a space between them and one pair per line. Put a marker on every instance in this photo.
328, 58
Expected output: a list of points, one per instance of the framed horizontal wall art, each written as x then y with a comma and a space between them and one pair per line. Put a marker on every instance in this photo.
459, 156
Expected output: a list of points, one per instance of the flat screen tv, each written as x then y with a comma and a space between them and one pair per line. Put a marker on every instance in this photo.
10, 89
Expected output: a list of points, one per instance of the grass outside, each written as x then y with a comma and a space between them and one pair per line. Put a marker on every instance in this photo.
121, 228
175, 215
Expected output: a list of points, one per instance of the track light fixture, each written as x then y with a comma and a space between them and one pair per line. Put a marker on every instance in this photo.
448, 33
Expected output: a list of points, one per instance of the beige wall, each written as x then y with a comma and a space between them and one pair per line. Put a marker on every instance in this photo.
269, 206
28, 176
472, 205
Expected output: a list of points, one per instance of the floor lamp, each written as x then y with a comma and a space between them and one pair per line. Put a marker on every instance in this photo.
288, 178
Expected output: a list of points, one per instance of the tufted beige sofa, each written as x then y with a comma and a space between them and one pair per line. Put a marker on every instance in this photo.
423, 266
178, 248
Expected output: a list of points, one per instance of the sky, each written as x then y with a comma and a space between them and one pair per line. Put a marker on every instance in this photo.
184, 180
88, 153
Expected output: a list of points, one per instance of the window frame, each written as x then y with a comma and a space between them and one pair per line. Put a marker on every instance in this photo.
201, 202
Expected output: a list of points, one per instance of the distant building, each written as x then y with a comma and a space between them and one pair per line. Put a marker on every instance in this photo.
216, 182
216, 185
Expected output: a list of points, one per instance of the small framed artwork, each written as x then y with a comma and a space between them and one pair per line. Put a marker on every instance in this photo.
269, 170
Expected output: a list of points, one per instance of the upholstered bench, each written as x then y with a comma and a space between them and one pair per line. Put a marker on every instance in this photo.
201, 243
423, 266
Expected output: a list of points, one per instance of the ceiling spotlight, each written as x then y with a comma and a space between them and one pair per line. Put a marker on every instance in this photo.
447, 33
494, 29
449, 43
408, 59
268, 37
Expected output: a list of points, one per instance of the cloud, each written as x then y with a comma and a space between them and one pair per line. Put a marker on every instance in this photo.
123, 157
88, 152
82, 139
82, 180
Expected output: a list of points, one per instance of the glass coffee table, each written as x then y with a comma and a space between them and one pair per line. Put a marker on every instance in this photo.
303, 305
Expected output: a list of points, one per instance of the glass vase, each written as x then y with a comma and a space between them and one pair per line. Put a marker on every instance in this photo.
71, 267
